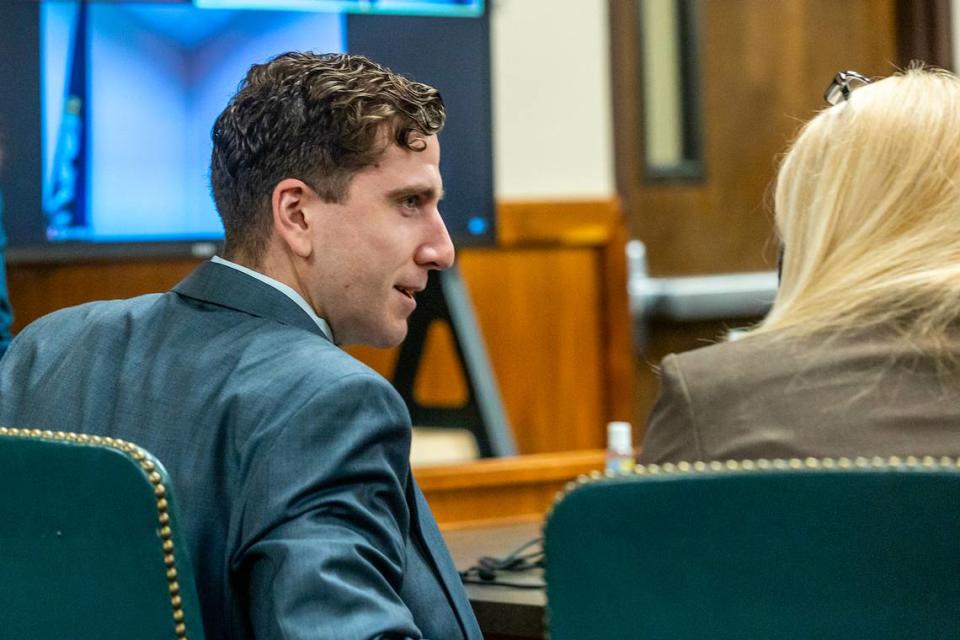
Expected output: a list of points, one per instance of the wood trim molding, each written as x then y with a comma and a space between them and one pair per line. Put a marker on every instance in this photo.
584, 223
503, 490
529, 469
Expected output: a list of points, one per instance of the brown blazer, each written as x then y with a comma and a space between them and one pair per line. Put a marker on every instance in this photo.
770, 396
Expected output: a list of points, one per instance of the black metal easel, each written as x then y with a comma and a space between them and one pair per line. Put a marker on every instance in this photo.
446, 300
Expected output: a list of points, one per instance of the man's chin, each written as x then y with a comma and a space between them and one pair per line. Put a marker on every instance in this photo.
388, 343
396, 339
384, 339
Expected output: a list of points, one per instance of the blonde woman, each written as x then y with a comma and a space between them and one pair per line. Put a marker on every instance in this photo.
860, 354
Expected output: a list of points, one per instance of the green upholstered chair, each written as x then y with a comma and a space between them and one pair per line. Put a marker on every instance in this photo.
797, 549
88, 542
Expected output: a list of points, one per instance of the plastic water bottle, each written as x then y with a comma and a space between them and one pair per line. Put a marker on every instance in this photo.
619, 447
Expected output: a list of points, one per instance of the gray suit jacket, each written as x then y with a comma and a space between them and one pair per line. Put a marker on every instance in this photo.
289, 459
768, 396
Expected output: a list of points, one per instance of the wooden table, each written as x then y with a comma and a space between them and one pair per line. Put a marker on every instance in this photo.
504, 613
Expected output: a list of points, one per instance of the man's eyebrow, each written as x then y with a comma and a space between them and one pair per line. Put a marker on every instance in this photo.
416, 190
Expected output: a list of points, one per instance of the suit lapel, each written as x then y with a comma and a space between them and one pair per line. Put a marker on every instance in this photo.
442, 564
226, 287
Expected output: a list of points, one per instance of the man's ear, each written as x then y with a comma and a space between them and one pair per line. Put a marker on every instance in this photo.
291, 222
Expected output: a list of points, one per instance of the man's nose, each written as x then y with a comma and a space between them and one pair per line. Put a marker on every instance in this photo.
438, 251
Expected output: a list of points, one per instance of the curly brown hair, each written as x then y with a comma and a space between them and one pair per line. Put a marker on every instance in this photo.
315, 117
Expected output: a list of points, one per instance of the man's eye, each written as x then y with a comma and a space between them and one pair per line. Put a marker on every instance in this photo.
410, 202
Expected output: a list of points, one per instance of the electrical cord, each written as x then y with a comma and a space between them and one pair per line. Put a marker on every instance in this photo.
489, 570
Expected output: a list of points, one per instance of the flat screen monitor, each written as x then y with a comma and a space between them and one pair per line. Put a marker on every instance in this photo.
106, 110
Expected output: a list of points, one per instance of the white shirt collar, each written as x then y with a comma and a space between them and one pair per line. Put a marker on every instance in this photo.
286, 290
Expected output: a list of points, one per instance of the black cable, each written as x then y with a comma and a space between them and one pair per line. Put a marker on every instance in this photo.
489, 569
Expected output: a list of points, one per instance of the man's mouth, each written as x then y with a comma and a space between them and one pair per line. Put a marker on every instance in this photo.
405, 291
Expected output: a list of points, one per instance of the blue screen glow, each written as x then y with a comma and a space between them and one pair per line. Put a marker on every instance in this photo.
129, 95
451, 8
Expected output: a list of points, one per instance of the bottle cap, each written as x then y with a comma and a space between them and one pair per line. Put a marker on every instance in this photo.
618, 437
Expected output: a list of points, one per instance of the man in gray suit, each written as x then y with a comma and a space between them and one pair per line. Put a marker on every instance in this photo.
289, 458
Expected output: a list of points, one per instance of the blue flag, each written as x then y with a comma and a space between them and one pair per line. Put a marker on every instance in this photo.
66, 203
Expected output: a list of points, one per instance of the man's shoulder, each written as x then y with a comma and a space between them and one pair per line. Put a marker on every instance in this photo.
199, 336
291, 377
83, 335
278, 358
311, 361
100, 311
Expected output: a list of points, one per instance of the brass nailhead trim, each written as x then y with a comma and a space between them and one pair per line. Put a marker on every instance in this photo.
159, 490
945, 463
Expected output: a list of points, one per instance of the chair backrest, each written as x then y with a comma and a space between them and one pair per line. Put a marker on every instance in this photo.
793, 549
88, 542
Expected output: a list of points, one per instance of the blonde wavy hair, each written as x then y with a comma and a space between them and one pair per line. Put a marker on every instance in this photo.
867, 206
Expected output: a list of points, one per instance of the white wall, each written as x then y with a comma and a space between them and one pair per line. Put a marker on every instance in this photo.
955, 33
552, 113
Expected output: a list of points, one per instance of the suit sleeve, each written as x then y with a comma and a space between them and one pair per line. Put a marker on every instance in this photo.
325, 520
672, 434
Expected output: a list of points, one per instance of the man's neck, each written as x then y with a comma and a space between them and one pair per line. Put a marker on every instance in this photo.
293, 293
269, 264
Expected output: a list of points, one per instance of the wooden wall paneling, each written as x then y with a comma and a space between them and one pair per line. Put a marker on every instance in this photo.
540, 311
599, 225
38, 289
